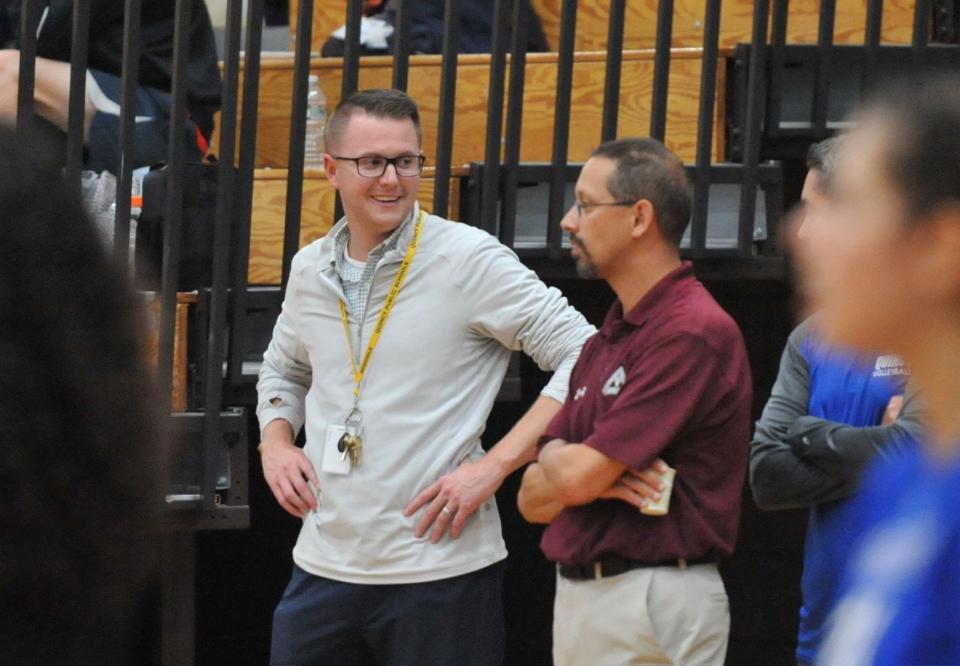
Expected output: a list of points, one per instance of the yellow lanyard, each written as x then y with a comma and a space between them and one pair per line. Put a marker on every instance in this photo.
358, 372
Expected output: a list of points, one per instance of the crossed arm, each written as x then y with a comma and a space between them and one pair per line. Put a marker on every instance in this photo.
575, 474
797, 460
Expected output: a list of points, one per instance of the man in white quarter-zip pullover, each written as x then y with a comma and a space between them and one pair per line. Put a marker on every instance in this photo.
391, 346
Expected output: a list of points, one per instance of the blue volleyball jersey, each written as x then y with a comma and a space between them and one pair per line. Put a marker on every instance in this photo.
854, 390
900, 601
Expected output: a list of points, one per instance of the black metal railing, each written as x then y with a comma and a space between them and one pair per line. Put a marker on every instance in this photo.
128, 95
497, 209
764, 93
511, 156
79, 40
29, 20
661, 69
492, 147
242, 212
561, 126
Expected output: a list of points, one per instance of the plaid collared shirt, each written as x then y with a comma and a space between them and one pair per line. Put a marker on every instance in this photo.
357, 281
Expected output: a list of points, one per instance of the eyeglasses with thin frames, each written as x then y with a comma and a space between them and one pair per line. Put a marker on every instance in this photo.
581, 207
374, 166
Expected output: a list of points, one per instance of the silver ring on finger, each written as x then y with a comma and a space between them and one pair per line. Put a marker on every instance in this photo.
447, 510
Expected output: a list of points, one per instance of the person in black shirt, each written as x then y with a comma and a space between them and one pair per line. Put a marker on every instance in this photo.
105, 65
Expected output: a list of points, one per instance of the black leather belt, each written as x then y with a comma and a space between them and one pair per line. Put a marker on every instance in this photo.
612, 565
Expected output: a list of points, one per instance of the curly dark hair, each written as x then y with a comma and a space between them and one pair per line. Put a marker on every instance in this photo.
80, 460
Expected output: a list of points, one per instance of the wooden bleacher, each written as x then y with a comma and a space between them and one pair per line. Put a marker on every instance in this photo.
276, 85
736, 22
470, 123
273, 126
640, 26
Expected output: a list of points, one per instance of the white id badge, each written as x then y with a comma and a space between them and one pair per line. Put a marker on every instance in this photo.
334, 461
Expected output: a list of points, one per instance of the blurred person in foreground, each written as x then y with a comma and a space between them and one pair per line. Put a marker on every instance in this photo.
830, 412
79, 452
886, 277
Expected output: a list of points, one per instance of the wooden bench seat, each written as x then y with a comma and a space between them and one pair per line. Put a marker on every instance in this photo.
736, 22
276, 86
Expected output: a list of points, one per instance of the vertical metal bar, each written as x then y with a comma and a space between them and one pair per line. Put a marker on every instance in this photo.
401, 47
511, 157
173, 214
351, 48
821, 81
213, 383
611, 84
781, 11
708, 86
248, 150
76, 106
561, 127
298, 130
351, 69
871, 42
178, 626
490, 187
128, 110
751, 140
661, 70
921, 34
448, 93
29, 19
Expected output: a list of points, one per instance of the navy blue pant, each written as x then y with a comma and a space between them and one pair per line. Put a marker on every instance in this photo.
456, 622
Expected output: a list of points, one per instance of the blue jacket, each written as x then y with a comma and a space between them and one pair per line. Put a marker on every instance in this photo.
817, 433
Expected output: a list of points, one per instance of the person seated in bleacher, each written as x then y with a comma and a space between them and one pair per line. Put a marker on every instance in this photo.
426, 28
80, 451
104, 67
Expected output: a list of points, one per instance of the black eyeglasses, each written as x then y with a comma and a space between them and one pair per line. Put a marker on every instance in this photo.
587, 206
374, 166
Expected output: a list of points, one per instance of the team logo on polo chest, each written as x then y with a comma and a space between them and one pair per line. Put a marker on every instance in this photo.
615, 382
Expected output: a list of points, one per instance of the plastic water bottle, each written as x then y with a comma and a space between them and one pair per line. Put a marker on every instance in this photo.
316, 121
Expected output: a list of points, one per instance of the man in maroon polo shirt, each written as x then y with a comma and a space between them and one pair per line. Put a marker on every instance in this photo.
665, 382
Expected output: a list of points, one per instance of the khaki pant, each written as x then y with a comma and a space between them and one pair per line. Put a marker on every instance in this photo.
654, 615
